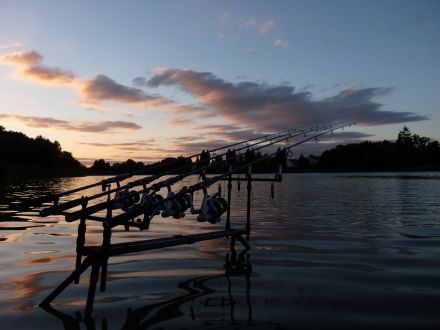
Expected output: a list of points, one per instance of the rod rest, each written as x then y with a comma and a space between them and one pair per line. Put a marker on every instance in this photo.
117, 179
151, 244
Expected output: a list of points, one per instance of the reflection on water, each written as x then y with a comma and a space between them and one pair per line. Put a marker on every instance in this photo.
336, 250
220, 306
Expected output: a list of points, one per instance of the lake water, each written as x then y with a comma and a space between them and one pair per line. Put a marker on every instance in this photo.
346, 251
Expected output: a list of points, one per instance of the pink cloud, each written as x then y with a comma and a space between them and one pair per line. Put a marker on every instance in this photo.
280, 43
102, 88
272, 107
28, 67
93, 92
265, 27
250, 22
48, 75
84, 126
21, 59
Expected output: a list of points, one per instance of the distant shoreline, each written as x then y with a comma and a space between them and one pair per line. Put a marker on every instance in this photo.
40, 158
77, 175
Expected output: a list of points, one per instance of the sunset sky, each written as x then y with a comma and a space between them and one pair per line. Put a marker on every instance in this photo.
149, 79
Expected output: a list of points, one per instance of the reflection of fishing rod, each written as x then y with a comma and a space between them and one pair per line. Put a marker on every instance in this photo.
139, 209
133, 196
169, 309
154, 314
118, 178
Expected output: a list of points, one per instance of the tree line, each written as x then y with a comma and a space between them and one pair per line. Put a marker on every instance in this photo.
409, 152
22, 155
175, 164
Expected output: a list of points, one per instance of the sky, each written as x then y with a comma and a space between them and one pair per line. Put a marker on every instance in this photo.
150, 79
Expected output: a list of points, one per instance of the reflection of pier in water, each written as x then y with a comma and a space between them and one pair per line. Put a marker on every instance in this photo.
213, 302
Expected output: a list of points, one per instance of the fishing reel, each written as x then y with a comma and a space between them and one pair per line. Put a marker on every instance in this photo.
152, 206
148, 200
176, 207
212, 208
124, 199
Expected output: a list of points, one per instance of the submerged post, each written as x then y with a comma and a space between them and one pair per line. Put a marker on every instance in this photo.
228, 211
107, 233
81, 238
92, 288
248, 209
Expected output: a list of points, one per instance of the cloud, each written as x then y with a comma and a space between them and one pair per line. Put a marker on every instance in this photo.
344, 135
14, 45
219, 127
105, 126
102, 88
48, 75
85, 126
248, 23
93, 92
273, 107
127, 146
188, 114
280, 43
328, 141
139, 81
112, 145
229, 132
19, 59
265, 27
28, 66
224, 17
193, 147
252, 51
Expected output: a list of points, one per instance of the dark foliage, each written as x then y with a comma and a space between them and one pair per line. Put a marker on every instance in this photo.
167, 164
128, 166
22, 155
100, 166
409, 152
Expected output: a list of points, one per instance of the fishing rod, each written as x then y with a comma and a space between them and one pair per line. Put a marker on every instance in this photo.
23, 205
88, 211
175, 204
60, 207
138, 209
134, 195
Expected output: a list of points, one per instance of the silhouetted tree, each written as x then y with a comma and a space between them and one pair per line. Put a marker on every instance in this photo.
100, 166
303, 162
410, 151
126, 167
22, 155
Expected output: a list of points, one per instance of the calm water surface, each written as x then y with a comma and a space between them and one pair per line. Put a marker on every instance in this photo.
335, 251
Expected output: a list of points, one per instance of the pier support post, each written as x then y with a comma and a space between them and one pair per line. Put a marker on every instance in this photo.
81, 238
92, 288
105, 248
228, 211
248, 209
74, 275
